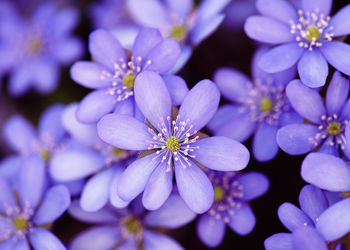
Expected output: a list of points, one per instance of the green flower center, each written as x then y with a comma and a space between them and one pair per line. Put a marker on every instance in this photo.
133, 225
173, 144
178, 33
129, 80
334, 128
118, 151
35, 45
45, 155
219, 193
20, 223
312, 33
266, 104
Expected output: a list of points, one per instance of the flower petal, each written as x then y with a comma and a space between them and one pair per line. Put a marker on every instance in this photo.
146, 39
268, 30
102, 237
194, 187
280, 10
158, 188
19, 134
338, 55
152, 97
55, 203
42, 239
45, 74
163, 56
294, 139
337, 93
31, 181
279, 241
312, 201
292, 217
313, 68
221, 153
200, 104
7, 197
307, 102
96, 191
254, 185
21, 244
243, 220
281, 57
211, 231
105, 49
265, 147
114, 197
177, 88
323, 6
174, 213
50, 126
326, 172
309, 239
89, 75
135, 177
157, 241
232, 84
334, 222
124, 132
204, 28
338, 22
225, 114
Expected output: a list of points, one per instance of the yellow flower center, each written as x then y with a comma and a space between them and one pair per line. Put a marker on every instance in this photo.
173, 144
219, 193
45, 155
334, 128
266, 104
178, 33
133, 225
35, 45
312, 33
129, 80
20, 223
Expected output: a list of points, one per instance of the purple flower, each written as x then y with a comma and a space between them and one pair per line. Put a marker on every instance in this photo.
113, 74
306, 36
180, 20
326, 124
35, 48
173, 143
231, 194
312, 226
131, 228
26, 212
260, 107
89, 158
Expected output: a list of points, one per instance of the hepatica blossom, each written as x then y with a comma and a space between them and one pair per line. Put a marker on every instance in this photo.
113, 73
35, 47
90, 159
260, 107
326, 124
28, 212
307, 36
131, 228
173, 143
231, 194
314, 225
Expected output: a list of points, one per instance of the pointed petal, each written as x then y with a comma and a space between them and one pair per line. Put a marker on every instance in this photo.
200, 104
55, 203
313, 68
338, 55
221, 153
124, 132
152, 97
281, 57
254, 185
326, 172
194, 187
243, 220
135, 177
337, 93
292, 217
42, 239
211, 231
265, 147
307, 102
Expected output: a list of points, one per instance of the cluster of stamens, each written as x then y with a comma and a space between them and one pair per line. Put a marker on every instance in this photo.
20, 220
123, 79
331, 129
173, 141
47, 145
312, 28
266, 102
228, 195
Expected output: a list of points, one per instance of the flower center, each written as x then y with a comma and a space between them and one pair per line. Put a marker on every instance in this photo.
178, 32
133, 225
129, 80
312, 33
173, 144
35, 45
219, 193
266, 104
19, 223
45, 155
334, 128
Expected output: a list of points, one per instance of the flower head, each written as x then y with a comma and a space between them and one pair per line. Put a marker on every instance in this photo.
173, 144
307, 37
